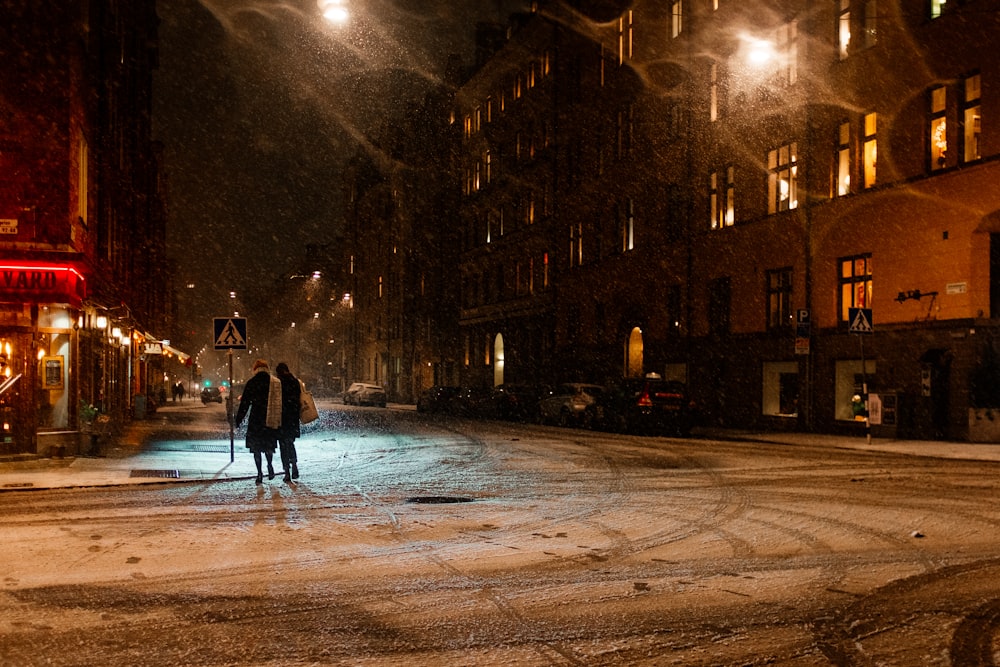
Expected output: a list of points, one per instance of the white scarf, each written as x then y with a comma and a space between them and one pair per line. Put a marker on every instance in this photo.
273, 418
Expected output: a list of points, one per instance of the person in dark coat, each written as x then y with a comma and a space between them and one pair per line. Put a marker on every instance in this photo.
260, 438
291, 395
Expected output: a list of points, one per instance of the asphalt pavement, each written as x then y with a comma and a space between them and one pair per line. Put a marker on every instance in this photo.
140, 457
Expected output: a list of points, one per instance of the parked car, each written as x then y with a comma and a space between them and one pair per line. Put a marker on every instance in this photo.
211, 395
647, 405
570, 404
365, 393
518, 402
436, 398
472, 402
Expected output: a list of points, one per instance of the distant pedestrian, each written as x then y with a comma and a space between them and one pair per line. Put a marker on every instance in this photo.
291, 395
262, 400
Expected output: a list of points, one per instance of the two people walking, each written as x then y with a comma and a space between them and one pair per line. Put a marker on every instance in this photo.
270, 404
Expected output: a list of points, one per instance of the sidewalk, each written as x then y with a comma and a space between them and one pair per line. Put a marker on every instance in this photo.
130, 461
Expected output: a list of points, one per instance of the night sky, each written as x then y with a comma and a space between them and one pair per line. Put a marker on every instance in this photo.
258, 104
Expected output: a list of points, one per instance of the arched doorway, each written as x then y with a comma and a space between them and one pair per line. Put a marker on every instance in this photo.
498, 360
633, 353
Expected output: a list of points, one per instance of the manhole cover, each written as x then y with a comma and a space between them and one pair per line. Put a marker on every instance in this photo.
170, 474
438, 500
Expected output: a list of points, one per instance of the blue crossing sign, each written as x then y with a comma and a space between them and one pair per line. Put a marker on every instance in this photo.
230, 333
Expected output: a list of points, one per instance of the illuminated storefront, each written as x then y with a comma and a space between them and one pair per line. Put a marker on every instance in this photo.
39, 321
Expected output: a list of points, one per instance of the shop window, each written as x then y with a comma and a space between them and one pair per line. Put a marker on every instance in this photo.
851, 378
53, 381
780, 388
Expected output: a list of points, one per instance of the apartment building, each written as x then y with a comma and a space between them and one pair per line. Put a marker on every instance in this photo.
83, 296
790, 205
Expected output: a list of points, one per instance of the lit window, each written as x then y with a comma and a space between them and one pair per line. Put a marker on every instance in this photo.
937, 7
722, 197
870, 148
844, 28
82, 184
713, 95
782, 179
971, 120
939, 128
844, 160
625, 37
628, 225
676, 18
855, 284
576, 244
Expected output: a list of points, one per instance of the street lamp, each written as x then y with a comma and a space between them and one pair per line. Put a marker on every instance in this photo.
334, 11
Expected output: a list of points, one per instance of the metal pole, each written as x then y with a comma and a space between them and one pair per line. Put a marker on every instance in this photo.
864, 389
229, 399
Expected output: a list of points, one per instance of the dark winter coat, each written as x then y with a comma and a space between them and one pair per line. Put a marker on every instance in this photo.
291, 396
260, 438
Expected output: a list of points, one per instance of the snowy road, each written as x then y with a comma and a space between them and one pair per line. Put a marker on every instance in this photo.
557, 547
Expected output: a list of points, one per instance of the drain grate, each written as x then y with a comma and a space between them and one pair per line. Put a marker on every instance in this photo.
438, 500
168, 474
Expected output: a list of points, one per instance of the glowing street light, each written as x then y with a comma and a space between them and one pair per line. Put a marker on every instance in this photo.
334, 11
759, 52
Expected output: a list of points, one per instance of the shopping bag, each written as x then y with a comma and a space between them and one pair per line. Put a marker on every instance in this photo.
307, 407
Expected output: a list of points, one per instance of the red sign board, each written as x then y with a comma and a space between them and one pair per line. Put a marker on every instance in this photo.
41, 282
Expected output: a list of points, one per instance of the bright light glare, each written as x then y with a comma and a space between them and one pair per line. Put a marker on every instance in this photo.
334, 10
760, 52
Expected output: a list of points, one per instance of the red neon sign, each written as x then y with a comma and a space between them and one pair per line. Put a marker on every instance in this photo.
41, 282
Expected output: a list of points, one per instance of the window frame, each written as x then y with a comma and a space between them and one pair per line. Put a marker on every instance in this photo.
843, 161
779, 287
971, 114
937, 128
849, 284
869, 149
776, 167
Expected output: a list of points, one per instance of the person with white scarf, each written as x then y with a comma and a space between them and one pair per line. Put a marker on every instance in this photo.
261, 399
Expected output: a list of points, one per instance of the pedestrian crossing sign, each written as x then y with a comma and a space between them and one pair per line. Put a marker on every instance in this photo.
860, 320
230, 333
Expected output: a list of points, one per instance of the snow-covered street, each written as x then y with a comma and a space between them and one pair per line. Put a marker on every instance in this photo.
419, 540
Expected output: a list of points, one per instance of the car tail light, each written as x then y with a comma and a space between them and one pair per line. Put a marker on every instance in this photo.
645, 401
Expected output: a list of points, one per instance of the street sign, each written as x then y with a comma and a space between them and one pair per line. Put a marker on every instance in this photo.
230, 333
860, 320
802, 334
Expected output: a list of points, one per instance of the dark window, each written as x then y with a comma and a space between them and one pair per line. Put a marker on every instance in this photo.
719, 302
779, 299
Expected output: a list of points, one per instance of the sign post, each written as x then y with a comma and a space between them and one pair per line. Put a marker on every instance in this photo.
860, 320
230, 334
